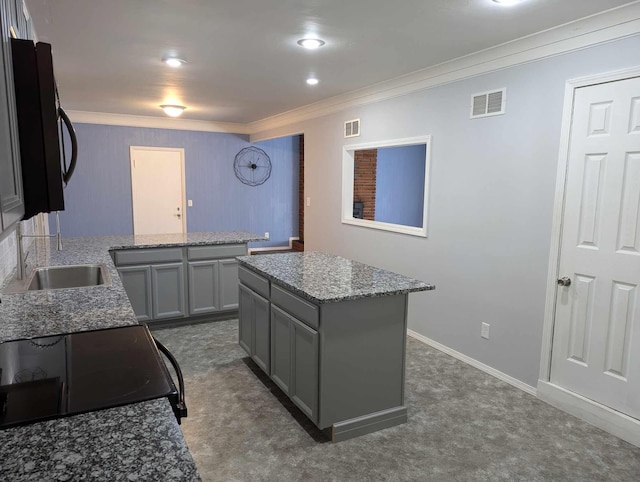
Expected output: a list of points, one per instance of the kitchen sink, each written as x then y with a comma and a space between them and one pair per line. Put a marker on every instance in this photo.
75, 276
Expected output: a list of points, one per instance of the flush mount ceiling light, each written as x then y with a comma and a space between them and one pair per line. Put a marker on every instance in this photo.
173, 110
312, 81
507, 3
174, 62
311, 43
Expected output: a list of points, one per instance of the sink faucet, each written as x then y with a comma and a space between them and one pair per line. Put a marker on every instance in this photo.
22, 257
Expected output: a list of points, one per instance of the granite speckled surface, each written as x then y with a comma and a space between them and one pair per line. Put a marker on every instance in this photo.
326, 278
188, 239
140, 441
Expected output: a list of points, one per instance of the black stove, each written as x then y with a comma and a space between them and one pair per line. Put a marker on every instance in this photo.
56, 376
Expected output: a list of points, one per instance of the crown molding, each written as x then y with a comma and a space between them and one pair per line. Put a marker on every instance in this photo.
84, 117
600, 28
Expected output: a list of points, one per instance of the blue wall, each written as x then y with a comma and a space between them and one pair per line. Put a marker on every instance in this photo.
98, 197
400, 185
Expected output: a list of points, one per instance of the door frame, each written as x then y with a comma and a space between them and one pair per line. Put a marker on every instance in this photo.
617, 423
183, 186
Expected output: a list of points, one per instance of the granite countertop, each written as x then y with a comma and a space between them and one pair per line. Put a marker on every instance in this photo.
141, 441
326, 278
188, 239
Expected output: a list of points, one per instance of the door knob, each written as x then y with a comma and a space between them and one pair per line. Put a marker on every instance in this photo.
179, 215
564, 281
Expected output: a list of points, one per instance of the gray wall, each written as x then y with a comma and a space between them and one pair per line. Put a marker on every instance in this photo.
98, 197
492, 192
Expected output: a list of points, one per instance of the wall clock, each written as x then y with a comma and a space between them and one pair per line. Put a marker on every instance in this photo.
252, 166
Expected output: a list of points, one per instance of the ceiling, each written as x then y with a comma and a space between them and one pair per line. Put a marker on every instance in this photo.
243, 63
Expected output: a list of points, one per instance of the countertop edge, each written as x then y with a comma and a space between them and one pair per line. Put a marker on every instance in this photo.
355, 296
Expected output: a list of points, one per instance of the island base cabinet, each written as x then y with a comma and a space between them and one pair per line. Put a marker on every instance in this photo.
342, 363
254, 334
304, 369
245, 319
294, 361
280, 349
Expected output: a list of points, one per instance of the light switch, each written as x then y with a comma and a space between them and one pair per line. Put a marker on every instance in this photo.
190, 203
308, 201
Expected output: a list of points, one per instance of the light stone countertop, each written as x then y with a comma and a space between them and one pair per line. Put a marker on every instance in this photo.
326, 278
141, 441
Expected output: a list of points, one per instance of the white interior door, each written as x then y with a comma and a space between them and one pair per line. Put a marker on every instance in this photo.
596, 341
157, 185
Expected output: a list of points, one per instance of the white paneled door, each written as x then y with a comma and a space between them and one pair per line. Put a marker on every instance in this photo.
596, 342
157, 187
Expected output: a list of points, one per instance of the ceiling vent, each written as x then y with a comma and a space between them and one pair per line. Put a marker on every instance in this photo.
352, 128
489, 103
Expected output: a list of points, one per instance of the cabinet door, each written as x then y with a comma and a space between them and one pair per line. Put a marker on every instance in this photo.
137, 284
261, 348
168, 290
303, 388
245, 319
203, 287
11, 200
228, 284
280, 348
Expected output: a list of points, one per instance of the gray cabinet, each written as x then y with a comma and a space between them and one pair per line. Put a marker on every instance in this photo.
228, 284
245, 322
167, 285
184, 281
213, 286
341, 363
280, 348
303, 389
11, 200
294, 360
204, 287
137, 283
254, 335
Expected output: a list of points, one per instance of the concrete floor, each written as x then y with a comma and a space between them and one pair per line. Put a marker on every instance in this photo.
464, 425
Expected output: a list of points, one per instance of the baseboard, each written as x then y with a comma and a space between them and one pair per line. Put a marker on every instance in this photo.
275, 248
474, 363
609, 420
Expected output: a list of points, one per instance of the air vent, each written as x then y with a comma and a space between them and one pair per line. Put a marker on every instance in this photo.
352, 128
487, 104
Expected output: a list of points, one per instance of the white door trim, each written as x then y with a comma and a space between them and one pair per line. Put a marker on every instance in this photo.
180, 150
557, 396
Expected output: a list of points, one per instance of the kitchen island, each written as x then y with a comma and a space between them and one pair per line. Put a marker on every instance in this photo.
331, 333
140, 441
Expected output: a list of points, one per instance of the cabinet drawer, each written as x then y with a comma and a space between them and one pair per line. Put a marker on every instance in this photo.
254, 281
220, 251
296, 306
146, 256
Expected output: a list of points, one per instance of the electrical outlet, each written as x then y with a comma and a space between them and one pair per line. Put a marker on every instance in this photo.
266, 234
484, 331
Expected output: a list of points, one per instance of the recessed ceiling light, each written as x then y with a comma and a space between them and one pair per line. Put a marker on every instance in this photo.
507, 3
312, 81
311, 43
174, 62
173, 110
